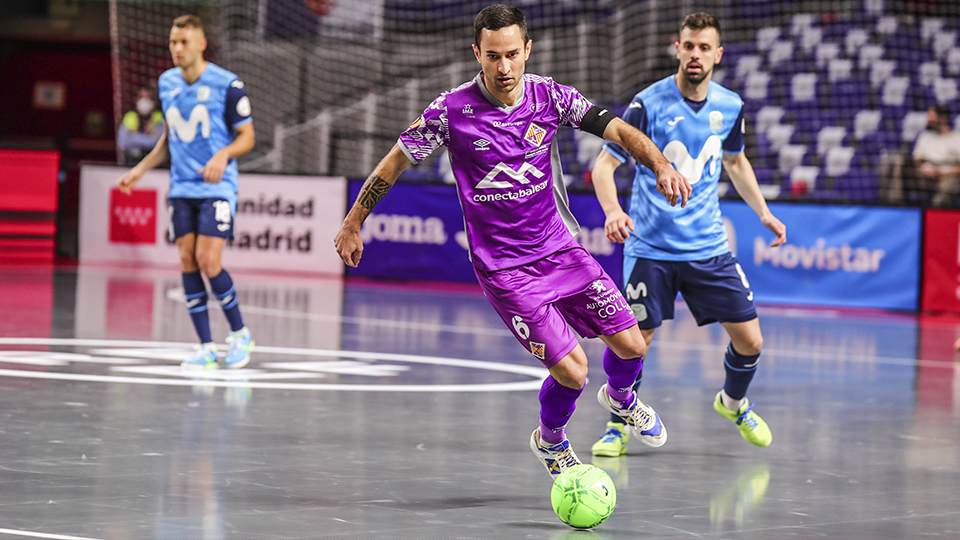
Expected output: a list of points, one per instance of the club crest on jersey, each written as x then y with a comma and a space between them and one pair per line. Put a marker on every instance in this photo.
538, 349
535, 135
467, 109
203, 93
716, 120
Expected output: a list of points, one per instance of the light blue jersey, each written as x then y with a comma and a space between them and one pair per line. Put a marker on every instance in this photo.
201, 118
692, 136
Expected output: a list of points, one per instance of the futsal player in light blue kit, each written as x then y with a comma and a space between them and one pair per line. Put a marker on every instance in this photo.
697, 124
208, 124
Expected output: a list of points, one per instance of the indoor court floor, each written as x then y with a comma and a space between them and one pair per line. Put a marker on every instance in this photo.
378, 410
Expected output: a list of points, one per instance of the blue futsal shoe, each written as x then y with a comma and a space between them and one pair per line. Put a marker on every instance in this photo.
204, 357
555, 458
644, 422
239, 344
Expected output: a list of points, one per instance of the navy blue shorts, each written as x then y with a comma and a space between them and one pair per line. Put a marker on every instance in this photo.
207, 217
716, 290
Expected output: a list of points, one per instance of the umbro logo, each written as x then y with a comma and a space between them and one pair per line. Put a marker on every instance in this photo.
635, 105
481, 144
223, 226
675, 120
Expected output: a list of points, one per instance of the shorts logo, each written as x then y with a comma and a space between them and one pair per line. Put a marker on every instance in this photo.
598, 286
535, 135
133, 217
538, 349
640, 311
634, 293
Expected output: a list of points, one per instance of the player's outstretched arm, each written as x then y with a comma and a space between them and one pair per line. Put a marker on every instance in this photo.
745, 182
347, 241
213, 171
670, 183
618, 224
151, 160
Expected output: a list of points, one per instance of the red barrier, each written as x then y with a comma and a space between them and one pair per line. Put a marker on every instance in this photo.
28, 206
941, 261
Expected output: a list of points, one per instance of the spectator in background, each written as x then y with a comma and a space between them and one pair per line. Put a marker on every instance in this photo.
937, 157
140, 129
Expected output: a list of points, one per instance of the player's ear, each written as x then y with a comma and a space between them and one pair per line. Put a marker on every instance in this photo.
719, 54
476, 52
526, 54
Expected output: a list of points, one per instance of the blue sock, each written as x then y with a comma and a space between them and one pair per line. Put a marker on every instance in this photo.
636, 388
196, 292
740, 370
222, 286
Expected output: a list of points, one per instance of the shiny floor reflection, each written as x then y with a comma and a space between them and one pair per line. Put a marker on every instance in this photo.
377, 410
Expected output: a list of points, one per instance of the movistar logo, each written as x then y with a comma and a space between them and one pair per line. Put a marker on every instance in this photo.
634, 293
692, 167
186, 130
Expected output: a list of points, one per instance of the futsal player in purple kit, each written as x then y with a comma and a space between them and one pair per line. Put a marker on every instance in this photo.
499, 129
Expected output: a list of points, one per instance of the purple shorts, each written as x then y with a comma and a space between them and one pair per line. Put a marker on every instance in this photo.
542, 300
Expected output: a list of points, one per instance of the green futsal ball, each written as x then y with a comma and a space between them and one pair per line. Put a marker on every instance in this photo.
583, 496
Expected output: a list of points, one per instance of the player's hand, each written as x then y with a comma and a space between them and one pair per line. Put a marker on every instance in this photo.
126, 182
213, 171
349, 245
618, 226
776, 227
674, 186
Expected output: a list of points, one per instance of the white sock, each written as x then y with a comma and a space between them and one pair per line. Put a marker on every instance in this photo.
242, 332
729, 402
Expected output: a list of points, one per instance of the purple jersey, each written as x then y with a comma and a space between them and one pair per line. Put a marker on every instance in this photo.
506, 165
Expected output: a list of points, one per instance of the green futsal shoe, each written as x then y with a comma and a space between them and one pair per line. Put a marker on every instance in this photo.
613, 442
752, 427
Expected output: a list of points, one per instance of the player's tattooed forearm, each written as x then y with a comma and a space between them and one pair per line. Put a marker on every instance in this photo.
374, 190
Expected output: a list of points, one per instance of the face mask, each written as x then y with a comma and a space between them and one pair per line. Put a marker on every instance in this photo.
144, 106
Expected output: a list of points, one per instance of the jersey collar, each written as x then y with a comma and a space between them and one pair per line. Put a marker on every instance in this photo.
496, 102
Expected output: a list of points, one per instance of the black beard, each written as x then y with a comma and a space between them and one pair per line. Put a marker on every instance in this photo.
694, 78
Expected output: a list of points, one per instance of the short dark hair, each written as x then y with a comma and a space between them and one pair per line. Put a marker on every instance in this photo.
941, 110
699, 21
496, 17
188, 21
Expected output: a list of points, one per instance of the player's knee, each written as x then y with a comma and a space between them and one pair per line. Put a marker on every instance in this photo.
209, 264
570, 374
188, 263
634, 348
749, 347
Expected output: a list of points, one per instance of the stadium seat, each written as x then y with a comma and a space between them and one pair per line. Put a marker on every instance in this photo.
942, 43
827, 52
913, 123
953, 62
850, 95
830, 137
854, 40
768, 116
837, 162
803, 88
886, 25
746, 65
801, 23
866, 122
839, 69
895, 92
868, 55
803, 179
756, 87
928, 72
810, 40
766, 37
929, 28
779, 51
945, 91
779, 135
880, 71
790, 156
